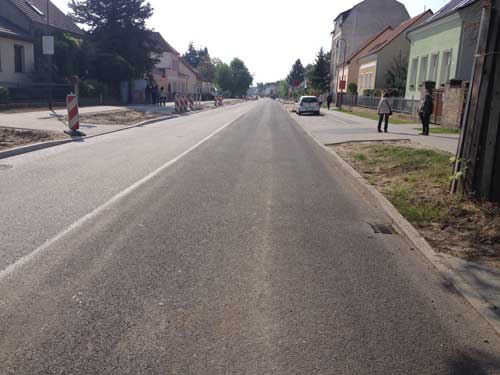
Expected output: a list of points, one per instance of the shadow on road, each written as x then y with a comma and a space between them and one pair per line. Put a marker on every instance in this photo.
473, 363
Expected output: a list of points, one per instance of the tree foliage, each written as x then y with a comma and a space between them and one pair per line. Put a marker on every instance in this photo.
117, 28
320, 73
200, 59
397, 74
233, 79
297, 74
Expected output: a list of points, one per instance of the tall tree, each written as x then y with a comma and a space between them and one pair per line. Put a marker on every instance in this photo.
223, 77
242, 79
297, 74
395, 77
192, 56
125, 47
320, 74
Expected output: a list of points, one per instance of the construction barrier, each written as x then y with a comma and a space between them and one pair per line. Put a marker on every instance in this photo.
221, 103
191, 102
177, 104
73, 115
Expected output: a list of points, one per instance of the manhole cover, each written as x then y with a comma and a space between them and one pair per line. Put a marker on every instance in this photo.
4, 167
383, 228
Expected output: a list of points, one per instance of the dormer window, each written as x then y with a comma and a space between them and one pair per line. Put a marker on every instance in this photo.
32, 6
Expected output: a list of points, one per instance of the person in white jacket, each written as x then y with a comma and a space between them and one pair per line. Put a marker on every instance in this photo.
384, 112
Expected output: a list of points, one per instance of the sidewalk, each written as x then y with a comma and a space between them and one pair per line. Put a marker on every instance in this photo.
45, 120
336, 127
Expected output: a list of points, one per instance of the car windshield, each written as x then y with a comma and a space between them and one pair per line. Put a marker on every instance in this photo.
309, 100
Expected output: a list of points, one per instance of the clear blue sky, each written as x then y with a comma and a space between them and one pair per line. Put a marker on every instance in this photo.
269, 35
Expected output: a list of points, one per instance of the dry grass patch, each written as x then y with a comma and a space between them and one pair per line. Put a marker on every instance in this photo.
10, 138
127, 117
417, 180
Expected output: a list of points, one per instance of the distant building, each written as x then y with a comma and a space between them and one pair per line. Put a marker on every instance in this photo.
166, 72
376, 61
443, 47
22, 25
357, 25
191, 81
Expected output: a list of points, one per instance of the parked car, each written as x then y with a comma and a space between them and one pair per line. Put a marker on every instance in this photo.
308, 104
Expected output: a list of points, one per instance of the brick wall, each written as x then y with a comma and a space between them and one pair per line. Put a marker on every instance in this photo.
453, 104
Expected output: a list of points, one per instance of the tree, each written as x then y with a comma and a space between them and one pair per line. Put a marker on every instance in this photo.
242, 79
297, 74
320, 74
283, 89
192, 56
223, 77
395, 77
117, 28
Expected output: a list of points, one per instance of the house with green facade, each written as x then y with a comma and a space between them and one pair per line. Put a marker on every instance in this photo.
443, 47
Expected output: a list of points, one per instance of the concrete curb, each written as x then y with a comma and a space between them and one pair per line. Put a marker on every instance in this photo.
43, 145
480, 304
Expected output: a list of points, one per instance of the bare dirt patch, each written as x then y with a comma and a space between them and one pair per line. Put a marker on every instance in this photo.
10, 138
127, 117
417, 182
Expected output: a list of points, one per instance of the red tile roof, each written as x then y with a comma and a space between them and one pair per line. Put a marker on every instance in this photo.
390, 34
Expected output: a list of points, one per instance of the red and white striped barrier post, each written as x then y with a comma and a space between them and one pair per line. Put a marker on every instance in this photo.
185, 102
191, 102
73, 115
177, 104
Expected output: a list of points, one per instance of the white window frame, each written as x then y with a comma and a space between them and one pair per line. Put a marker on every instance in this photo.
444, 77
413, 73
434, 68
422, 71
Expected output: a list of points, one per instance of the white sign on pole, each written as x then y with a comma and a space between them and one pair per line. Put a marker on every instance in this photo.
48, 45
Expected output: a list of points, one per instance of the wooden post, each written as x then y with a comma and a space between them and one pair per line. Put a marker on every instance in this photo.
479, 149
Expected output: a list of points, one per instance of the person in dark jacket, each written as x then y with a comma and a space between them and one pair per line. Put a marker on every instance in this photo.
425, 113
384, 111
329, 100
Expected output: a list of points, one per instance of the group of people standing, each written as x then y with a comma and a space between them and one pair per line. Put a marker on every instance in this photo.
156, 95
385, 112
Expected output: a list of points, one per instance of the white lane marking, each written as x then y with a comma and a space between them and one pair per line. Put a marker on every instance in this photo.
80, 222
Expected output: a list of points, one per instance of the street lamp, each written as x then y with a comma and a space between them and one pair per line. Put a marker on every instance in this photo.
343, 67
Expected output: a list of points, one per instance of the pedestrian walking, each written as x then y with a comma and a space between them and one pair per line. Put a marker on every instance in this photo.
148, 94
384, 112
154, 94
163, 97
425, 112
329, 100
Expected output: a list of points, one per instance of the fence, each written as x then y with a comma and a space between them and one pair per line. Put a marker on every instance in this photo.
398, 105
38, 93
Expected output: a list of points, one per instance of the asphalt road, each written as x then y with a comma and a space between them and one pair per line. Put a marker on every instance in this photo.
204, 249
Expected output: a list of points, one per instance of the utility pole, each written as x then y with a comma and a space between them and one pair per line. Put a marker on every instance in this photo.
477, 169
48, 47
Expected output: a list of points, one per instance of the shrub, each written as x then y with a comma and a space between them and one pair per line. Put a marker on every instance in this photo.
4, 94
352, 88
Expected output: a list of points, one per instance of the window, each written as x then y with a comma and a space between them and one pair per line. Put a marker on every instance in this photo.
413, 74
18, 59
434, 67
370, 80
445, 68
422, 76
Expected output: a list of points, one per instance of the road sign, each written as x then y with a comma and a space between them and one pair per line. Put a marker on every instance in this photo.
48, 45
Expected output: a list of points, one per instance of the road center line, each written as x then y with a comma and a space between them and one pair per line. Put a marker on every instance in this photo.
80, 222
